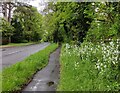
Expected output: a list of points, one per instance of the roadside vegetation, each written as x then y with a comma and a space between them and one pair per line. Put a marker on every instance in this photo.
89, 67
0, 82
18, 44
90, 34
93, 64
15, 76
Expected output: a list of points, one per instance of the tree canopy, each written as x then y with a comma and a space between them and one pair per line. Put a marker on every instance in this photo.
70, 22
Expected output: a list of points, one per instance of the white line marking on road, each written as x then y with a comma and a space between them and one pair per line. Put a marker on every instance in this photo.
13, 52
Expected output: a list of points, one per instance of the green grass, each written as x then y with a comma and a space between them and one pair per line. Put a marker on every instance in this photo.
89, 68
17, 44
18, 74
0, 81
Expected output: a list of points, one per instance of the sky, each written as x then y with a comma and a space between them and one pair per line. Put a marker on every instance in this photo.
39, 4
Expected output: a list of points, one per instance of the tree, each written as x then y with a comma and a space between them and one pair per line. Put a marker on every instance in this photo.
7, 30
105, 24
67, 21
7, 8
27, 21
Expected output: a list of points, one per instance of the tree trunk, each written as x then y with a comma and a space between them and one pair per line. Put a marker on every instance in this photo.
9, 14
4, 10
9, 39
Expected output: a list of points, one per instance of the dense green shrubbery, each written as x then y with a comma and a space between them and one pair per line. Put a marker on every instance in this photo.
94, 66
100, 31
105, 25
67, 22
7, 31
91, 67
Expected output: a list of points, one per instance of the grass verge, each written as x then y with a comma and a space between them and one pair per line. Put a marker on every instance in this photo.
0, 81
90, 67
17, 44
20, 73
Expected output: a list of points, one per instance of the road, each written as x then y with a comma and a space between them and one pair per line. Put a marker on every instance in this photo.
46, 79
15, 54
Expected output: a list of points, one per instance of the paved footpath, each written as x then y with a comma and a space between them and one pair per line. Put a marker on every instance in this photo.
47, 78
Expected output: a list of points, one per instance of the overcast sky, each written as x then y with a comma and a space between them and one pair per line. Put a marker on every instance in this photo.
39, 4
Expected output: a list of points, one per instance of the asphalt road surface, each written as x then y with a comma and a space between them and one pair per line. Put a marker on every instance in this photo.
46, 79
15, 54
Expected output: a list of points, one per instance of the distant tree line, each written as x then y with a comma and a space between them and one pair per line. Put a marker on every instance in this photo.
70, 22
23, 26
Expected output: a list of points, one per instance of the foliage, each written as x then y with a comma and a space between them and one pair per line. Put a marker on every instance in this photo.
71, 21
27, 24
105, 25
0, 81
66, 22
91, 67
15, 76
6, 29
95, 25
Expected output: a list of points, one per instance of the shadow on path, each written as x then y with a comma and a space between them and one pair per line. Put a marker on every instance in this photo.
47, 78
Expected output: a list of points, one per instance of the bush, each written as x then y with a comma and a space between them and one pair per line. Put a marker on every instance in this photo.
5, 41
91, 67
24, 41
7, 29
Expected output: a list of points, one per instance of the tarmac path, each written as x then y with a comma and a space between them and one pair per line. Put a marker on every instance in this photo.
46, 79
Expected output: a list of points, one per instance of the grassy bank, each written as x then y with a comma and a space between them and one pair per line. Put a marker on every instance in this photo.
18, 74
17, 44
91, 67
0, 81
